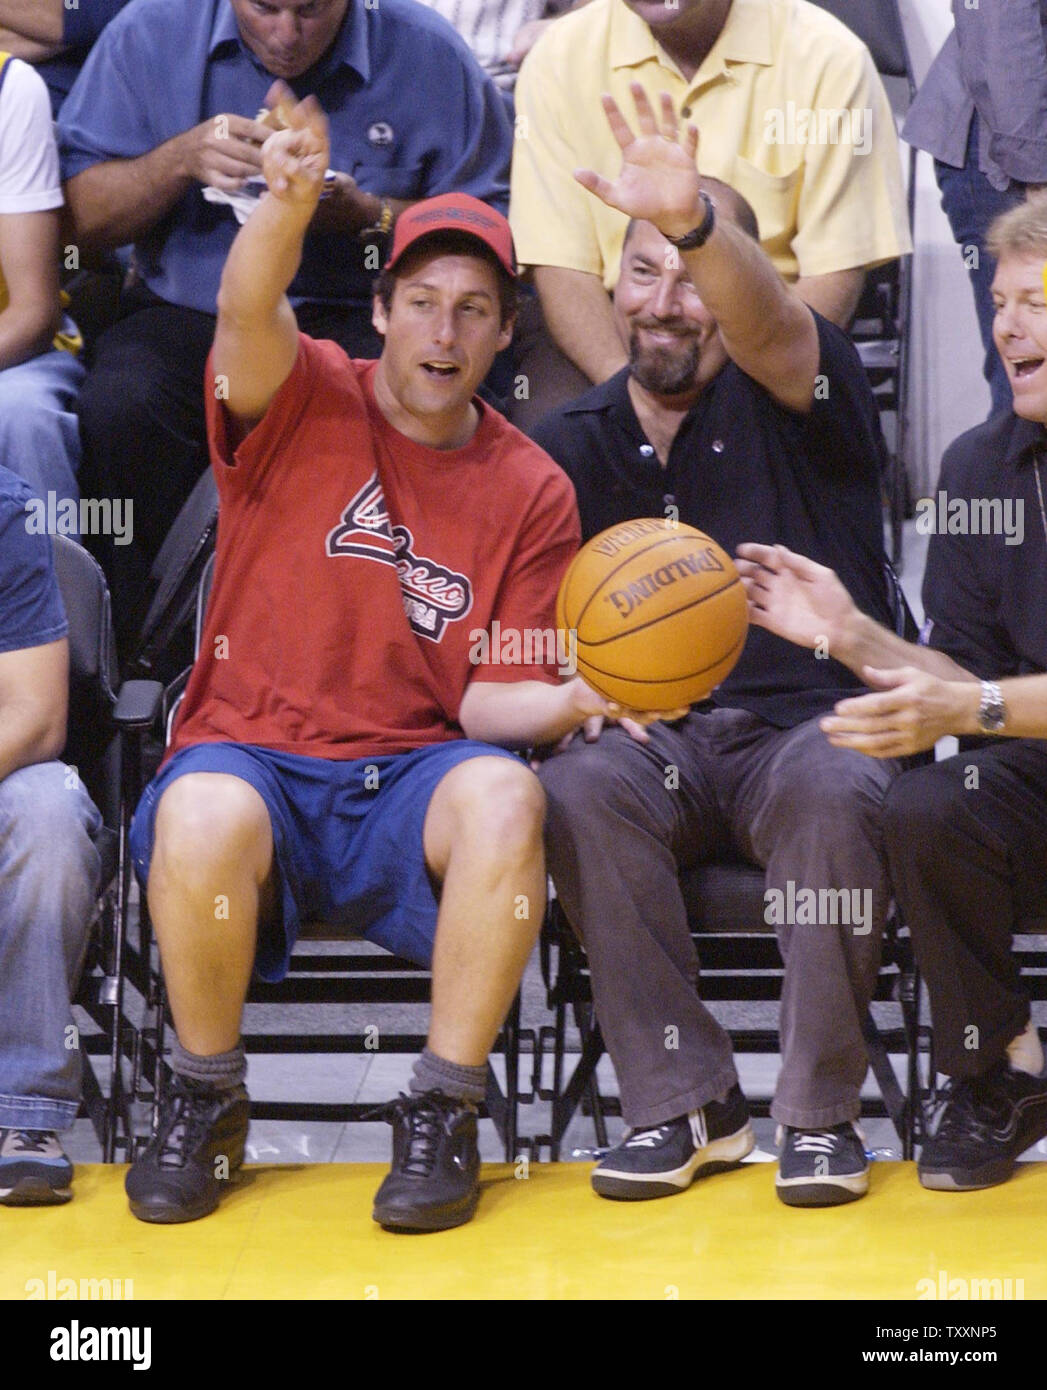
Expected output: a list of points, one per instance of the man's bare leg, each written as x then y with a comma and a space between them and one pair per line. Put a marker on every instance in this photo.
210, 871
209, 881
483, 841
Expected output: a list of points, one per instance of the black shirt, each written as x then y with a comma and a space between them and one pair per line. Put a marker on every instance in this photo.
985, 595
745, 468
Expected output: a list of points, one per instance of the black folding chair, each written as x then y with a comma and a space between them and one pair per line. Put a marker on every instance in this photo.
107, 722
164, 645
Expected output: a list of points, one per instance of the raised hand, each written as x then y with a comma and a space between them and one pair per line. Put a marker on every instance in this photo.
294, 160
794, 597
659, 180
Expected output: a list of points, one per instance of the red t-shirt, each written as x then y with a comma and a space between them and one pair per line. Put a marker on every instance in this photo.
355, 569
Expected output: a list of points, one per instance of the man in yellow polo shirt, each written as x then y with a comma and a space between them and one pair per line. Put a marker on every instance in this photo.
791, 112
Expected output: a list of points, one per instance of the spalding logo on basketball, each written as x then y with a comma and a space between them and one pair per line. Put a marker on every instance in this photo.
659, 610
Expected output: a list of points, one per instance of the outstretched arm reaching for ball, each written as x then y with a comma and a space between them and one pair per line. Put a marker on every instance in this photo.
920, 695
765, 326
256, 340
805, 603
522, 714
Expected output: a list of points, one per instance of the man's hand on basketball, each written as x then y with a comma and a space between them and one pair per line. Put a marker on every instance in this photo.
794, 597
294, 161
659, 180
597, 710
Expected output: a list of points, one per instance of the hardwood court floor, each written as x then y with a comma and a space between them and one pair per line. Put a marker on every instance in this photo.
306, 1233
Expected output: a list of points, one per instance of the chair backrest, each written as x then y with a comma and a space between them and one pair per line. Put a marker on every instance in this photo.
203, 593
177, 568
878, 23
90, 744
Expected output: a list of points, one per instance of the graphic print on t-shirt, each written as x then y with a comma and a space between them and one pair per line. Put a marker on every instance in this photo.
433, 596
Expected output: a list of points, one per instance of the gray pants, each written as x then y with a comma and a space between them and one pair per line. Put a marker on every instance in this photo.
624, 818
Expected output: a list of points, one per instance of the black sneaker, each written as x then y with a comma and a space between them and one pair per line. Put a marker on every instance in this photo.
986, 1123
34, 1171
434, 1182
821, 1167
180, 1174
666, 1159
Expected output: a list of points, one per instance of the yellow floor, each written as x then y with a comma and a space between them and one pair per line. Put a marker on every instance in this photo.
306, 1232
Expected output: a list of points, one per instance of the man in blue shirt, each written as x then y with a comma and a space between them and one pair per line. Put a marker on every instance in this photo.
49, 867
164, 107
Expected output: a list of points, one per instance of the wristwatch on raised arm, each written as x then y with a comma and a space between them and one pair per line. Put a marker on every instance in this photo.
992, 712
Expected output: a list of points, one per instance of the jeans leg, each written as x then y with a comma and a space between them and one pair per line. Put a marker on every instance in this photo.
967, 842
48, 877
615, 837
39, 437
811, 814
971, 203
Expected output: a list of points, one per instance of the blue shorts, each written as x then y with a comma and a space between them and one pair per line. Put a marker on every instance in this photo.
347, 839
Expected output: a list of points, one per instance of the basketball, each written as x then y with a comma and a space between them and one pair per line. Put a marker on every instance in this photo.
659, 611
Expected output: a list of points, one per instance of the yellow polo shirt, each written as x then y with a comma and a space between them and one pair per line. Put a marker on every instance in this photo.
790, 109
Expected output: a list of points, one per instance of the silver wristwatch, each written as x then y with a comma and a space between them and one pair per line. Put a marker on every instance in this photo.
992, 712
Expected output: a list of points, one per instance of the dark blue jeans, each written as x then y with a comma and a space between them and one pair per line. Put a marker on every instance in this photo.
971, 203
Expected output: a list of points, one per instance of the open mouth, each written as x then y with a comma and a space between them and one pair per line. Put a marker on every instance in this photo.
441, 370
1026, 366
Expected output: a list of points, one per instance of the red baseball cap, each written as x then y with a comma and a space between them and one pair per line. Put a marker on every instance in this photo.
454, 212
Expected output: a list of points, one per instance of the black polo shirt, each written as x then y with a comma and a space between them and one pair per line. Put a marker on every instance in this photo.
986, 600
745, 468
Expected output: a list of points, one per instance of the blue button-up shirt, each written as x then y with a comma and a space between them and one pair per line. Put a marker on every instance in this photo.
995, 62
81, 25
411, 115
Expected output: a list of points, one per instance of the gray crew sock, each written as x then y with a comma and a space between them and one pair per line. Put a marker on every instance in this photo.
432, 1073
223, 1071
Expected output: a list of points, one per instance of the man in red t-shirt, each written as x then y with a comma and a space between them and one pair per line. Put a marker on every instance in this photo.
336, 752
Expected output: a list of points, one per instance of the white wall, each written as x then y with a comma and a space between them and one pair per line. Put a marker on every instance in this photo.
947, 391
